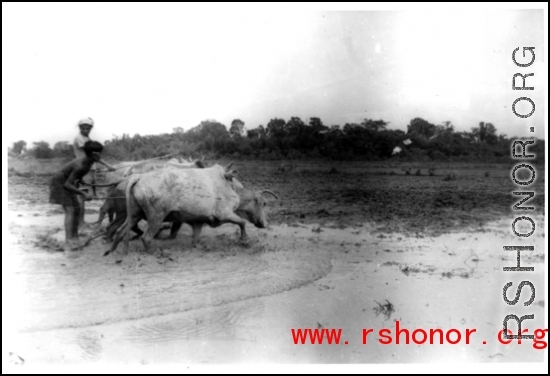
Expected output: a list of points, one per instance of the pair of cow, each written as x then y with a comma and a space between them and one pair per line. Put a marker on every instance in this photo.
179, 193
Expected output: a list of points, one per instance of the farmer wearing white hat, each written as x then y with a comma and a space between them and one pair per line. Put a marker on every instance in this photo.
80, 140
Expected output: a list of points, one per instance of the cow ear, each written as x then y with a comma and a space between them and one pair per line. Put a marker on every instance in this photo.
229, 175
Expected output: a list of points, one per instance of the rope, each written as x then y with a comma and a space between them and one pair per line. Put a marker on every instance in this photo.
90, 238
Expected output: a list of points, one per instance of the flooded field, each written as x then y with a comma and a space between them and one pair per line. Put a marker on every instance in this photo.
350, 246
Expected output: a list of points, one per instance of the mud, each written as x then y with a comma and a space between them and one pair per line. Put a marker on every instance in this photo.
344, 250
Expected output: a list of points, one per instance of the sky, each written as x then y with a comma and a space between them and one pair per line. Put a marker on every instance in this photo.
147, 68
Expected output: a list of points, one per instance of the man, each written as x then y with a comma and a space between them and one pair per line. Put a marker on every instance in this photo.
64, 190
80, 140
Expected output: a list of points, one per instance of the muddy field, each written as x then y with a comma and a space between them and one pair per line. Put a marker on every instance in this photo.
350, 245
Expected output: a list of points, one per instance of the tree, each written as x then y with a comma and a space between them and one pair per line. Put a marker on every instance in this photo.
374, 125
237, 128
446, 129
19, 147
485, 133
63, 149
42, 150
276, 128
211, 133
295, 126
276, 134
253, 133
262, 131
299, 135
178, 130
421, 127
317, 124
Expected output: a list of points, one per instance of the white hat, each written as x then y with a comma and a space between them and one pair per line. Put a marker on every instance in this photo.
87, 120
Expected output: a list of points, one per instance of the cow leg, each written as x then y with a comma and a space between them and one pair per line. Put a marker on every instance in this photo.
176, 225
114, 226
133, 221
102, 213
119, 233
234, 218
106, 209
138, 231
154, 222
197, 228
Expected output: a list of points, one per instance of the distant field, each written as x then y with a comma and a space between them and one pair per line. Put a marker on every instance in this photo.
46, 167
397, 196
31, 166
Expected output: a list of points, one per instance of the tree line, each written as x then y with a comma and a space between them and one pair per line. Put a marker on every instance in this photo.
369, 140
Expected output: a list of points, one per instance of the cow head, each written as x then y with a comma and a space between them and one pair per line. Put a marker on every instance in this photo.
252, 205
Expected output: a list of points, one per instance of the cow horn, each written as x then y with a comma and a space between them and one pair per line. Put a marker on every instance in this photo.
229, 166
128, 171
270, 192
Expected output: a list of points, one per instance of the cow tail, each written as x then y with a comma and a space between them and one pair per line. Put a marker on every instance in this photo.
130, 202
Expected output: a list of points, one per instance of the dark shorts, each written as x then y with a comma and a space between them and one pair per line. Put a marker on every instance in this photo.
59, 194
